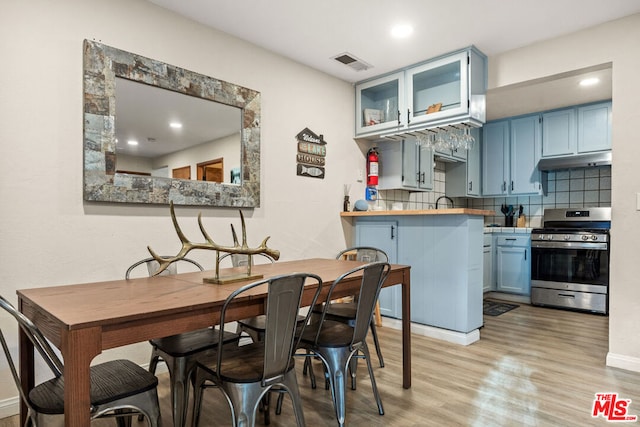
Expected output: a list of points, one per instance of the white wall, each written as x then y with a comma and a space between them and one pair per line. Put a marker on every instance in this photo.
615, 42
49, 236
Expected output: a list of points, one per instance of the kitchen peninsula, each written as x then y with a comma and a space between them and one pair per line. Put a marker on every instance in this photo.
444, 249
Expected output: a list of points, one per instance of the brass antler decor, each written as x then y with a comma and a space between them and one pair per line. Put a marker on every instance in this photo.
237, 248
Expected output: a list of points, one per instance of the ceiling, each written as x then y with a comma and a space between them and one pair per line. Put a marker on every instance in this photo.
314, 32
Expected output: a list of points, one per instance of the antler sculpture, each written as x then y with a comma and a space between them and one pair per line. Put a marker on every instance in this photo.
188, 246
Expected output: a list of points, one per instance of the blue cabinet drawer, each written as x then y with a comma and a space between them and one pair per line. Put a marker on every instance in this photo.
513, 240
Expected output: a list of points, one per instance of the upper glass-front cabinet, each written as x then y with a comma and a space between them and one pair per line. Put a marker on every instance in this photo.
438, 89
378, 104
442, 91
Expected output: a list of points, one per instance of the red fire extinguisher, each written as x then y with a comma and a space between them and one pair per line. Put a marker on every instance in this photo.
372, 167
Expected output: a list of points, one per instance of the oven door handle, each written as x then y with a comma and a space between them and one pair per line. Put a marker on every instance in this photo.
569, 245
566, 296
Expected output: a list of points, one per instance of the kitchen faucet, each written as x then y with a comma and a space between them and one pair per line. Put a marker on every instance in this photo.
444, 197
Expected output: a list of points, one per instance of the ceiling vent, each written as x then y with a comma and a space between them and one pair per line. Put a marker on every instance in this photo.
351, 61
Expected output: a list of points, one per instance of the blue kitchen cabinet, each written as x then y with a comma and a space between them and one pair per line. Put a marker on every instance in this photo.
446, 259
559, 133
576, 130
463, 179
445, 90
383, 235
594, 127
405, 165
378, 102
510, 152
525, 150
513, 263
487, 262
495, 155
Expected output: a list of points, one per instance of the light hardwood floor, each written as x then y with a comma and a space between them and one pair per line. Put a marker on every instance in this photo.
532, 367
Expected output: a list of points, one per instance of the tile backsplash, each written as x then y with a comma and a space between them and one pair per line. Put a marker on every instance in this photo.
576, 188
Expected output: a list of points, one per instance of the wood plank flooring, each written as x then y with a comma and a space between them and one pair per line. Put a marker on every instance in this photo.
532, 367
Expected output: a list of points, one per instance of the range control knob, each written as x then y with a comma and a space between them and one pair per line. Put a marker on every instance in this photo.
594, 237
550, 237
585, 237
567, 237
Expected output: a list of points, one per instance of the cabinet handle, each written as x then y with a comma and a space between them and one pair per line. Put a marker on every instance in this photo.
525, 254
423, 177
504, 186
470, 185
511, 185
392, 230
566, 295
418, 177
408, 116
510, 238
398, 117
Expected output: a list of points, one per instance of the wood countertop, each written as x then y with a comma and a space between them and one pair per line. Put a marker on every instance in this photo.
454, 211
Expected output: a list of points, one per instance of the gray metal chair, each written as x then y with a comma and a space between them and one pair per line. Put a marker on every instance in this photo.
153, 265
245, 374
180, 352
346, 312
252, 326
119, 388
336, 343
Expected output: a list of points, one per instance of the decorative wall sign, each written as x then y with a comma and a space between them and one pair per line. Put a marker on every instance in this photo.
312, 150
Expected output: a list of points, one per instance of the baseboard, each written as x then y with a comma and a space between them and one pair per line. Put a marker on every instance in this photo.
437, 333
623, 362
9, 407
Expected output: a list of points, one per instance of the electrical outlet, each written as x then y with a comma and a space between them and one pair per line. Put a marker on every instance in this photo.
360, 175
638, 201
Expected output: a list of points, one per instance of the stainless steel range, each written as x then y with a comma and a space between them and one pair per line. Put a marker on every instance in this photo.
570, 259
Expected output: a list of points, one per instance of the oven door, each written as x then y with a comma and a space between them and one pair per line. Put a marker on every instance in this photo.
580, 264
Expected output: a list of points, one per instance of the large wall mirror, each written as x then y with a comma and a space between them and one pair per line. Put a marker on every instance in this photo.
155, 133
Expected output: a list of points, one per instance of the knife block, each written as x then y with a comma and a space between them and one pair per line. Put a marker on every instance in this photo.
522, 221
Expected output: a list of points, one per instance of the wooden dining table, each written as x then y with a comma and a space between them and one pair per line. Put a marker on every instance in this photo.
82, 320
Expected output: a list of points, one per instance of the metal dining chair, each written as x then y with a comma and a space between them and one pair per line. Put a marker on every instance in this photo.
336, 343
119, 388
346, 311
252, 326
245, 374
153, 265
180, 352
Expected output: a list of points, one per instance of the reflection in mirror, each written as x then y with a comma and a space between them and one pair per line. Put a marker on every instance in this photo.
110, 74
167, 134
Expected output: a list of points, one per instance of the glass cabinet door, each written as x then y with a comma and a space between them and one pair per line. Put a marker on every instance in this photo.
378, 102
438, 89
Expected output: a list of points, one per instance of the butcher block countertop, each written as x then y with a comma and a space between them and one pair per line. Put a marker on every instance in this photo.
454, 211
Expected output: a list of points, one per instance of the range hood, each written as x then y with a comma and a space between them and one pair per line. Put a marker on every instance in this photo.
576, 161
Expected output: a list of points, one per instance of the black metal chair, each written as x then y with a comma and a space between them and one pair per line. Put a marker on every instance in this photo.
180, 352
336, 343
245, 374
119, 388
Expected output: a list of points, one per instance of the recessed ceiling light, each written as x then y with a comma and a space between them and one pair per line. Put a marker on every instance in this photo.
401, 31
132, 142
590, 81
175, 125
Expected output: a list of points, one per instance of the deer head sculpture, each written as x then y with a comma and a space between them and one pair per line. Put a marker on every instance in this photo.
209, 244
